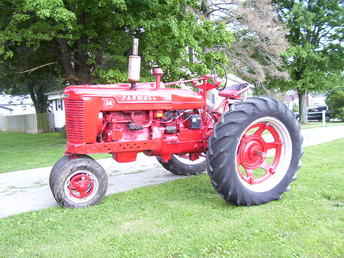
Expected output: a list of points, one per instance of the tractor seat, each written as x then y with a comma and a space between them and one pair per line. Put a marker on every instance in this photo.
234, 91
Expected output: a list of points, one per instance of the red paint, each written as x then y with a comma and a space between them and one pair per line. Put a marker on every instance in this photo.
158, 73
123, 121
81, 185
228, 93
253, 150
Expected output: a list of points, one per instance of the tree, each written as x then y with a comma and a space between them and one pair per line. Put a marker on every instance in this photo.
15, 78
92, 38
335, 102
335, 99
260, 38
315, 56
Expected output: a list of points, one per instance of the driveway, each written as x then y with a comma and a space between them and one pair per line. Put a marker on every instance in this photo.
28, 190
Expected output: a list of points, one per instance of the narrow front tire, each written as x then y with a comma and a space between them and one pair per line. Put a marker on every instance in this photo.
78, 181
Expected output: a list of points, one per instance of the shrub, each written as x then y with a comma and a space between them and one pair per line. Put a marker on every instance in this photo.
335, 102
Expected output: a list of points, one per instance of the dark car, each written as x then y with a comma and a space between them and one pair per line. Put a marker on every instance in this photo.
315, 113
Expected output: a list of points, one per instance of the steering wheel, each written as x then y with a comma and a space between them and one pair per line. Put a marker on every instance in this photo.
217, 77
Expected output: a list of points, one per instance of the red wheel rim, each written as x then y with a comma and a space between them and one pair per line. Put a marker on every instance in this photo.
81, 185
258, 159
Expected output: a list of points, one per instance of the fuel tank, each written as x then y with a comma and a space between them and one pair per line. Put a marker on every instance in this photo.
119, 97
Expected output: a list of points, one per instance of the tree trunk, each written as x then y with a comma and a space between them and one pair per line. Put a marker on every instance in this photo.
75, 62
40, 102
205, 8
191, 55
65, 58
42, 122
303, 106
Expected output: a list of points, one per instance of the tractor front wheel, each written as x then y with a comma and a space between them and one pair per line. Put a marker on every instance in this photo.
78, 181
255, 152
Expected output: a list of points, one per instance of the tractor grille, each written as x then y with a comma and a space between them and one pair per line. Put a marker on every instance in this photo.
75, 120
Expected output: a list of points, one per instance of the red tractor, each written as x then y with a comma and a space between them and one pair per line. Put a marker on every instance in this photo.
251, 147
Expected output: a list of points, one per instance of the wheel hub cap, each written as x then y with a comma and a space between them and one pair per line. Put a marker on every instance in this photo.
252, 155
251, 152
81, 185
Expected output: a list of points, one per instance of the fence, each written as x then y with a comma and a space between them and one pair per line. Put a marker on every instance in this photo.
319, 116
19, 123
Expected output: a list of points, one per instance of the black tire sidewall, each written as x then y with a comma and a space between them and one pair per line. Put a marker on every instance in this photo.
226, 179
177, 167
70, 167
62, 162
276, 191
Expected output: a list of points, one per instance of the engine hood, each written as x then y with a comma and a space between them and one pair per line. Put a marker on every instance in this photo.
119, 97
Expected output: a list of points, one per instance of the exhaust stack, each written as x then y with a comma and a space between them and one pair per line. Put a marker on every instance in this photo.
134, 65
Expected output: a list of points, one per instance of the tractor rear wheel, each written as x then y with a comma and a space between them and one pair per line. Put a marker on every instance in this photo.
180, 166
78, 181
254, 152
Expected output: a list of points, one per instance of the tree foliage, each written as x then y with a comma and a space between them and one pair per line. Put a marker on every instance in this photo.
316, 53
16, 78
91, 39
335, 101
259, 37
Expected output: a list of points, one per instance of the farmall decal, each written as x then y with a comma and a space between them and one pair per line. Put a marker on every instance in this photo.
141, 98
133, 98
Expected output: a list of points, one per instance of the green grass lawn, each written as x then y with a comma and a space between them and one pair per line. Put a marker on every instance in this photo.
186, 218
24, 151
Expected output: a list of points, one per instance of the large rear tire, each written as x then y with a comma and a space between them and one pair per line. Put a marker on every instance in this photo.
254, 152
183, 166
78, 181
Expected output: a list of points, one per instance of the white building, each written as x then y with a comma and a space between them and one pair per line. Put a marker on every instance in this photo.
16, 105
56, 110
17, 114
